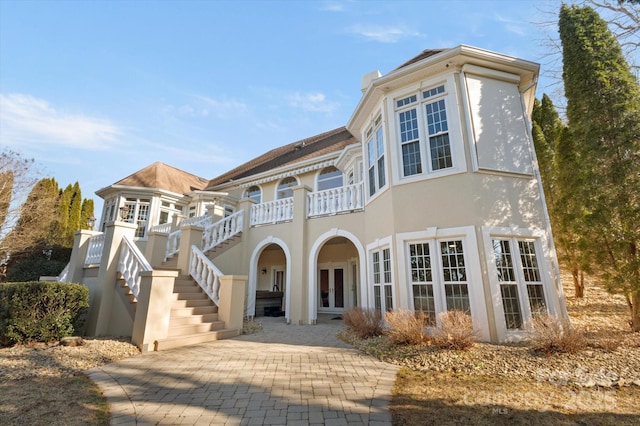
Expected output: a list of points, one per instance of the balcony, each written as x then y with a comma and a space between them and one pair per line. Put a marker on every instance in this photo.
345, 199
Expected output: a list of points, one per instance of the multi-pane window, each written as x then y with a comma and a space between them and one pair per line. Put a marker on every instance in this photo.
285, 188
254, 193
518, 276
433, 133
329, 178
109, 212
382, 283
138, 213
454, 276
375, 157
422, 281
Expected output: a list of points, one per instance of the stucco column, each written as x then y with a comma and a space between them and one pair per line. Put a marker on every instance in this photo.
216, 212
191, 235
298, 283
156, 248
232, 296
153, 311
100, 313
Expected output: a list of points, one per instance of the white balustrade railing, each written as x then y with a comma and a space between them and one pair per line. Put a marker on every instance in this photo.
130, 264
222, 230
272, 212
205, 273
165, 227
196, 220
173, 244
335, 200
94, 251
64, 275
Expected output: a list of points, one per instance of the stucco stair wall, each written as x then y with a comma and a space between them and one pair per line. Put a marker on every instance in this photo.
194, 317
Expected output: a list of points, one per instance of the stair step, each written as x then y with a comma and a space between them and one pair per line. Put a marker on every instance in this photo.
189, 329
193, 319
194, 339
189, 296
187, 289
195, 310
190, 303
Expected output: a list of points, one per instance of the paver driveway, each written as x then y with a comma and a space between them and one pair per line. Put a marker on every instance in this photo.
285, 374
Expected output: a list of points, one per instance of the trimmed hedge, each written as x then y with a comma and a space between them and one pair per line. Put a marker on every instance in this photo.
40, 311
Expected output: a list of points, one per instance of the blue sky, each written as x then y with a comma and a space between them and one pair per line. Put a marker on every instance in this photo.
96, 90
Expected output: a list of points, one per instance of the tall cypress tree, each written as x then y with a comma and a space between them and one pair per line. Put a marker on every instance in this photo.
603, 111
87, 212
75, 213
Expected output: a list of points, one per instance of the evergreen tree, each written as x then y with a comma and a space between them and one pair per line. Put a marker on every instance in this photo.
603, 111
87, 212
75, 214
6, 189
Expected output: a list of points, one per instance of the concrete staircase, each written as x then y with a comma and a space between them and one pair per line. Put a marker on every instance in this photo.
194, 317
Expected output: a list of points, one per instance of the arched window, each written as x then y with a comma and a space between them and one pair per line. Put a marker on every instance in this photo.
254, 193
329, 178
285, 188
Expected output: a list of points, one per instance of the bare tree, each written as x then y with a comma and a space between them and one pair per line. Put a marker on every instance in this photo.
623, 19
18, 175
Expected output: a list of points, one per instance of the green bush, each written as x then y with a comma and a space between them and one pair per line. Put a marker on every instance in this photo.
41, 311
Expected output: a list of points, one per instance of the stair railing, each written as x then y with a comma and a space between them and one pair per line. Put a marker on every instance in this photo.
205, 273
222, 230
94, 251
130, 264
173, 244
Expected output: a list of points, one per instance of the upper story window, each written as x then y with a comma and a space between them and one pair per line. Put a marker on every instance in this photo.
138, 213
329, 178
254, 193
375, 157
285, 188
424, 137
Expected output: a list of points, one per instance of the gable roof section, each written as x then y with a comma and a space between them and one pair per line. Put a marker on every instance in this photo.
162, 176
423, 55
324, 143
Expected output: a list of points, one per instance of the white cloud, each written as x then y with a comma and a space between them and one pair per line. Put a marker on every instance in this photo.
222, 109
383, 34
332, 6
512, 25
26, 120
315, 102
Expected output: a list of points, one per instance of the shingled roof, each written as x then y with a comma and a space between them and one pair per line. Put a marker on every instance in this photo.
324, 143
162, 176
423, 55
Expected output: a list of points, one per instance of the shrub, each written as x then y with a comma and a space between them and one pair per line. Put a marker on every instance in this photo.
454, 331
551, 335
405, 327
364, 323
40, 311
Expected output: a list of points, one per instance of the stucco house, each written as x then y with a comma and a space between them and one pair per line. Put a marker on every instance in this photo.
428, 199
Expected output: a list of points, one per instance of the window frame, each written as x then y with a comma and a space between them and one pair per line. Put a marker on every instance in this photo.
136, 215
288, 189
247, 194
383, 278
319, 180
376, 153
473, 272
547, 281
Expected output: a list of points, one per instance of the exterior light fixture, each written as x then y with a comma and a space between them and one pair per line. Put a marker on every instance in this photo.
90, 222
124, 212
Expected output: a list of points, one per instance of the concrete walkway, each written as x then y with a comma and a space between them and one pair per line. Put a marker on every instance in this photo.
285, 374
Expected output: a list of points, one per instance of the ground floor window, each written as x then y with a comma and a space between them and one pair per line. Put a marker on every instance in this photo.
519, 280
437, 270
382, 281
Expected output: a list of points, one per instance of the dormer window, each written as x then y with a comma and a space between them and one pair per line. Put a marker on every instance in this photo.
285, 188
424, 137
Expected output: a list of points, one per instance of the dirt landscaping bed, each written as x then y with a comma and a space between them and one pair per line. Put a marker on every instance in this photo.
511, 384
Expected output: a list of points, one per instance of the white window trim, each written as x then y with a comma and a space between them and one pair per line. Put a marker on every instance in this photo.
540, 241
455, 125
275, 191
365, 156
472, 265
377, 246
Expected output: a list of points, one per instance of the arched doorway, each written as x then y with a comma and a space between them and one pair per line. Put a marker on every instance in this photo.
335, 274
269, 280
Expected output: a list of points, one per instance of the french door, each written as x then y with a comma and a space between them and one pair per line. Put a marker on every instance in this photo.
332, 289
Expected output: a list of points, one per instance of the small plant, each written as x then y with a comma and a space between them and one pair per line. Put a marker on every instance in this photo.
364, 323
454, 331
405, 327
550, 335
